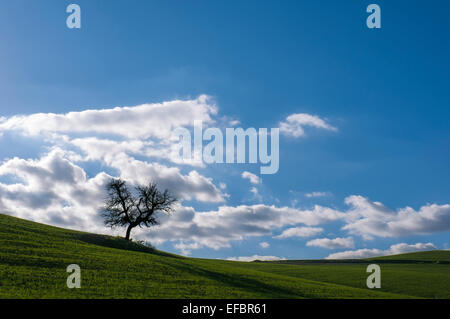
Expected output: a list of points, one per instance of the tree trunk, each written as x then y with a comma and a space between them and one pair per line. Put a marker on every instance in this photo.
127, 237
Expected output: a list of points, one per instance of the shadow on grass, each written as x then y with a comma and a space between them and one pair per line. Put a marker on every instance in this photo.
120, 243
247, 284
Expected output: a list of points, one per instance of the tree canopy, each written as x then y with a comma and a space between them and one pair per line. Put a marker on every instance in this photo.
124, 208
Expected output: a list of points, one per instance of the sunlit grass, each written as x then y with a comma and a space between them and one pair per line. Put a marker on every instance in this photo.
34, 257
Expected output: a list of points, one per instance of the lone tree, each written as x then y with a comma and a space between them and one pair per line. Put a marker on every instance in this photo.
125, 209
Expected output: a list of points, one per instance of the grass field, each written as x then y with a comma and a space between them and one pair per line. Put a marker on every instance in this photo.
34, 257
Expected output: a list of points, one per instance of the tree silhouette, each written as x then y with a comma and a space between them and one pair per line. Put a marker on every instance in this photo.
125, 209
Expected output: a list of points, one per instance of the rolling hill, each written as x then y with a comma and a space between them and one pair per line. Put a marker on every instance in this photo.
34, 257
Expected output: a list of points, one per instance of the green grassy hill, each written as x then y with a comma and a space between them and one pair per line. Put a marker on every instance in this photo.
436, 256
34, 257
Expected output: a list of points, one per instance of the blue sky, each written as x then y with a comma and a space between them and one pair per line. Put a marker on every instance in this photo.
385, 90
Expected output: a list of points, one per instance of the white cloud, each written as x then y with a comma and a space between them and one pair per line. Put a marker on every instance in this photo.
256, 195
218, 228
53, 190
393, 250
156, 120
187, 248
130, 142
187, 187
299, 232
145, 130
191, 186
372, 219
99, 149
294, 125
56, 191
264, 245
316, 194
335, 243
80, 136
256, 257
254, 179
95, 149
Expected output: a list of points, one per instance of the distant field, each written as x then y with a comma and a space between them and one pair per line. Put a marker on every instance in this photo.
34, 257
437, 256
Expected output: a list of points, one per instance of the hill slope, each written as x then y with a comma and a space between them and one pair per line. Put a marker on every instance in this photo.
34, 257
434, 256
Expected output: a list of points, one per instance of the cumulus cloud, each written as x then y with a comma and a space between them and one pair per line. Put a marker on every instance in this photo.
254, 179
372, 219
186, 249
144, 130
335, 243
141, 132
294, 125
52, 190
218, 228
136, 122
256, 257
264, 245
393, 250
126, 142
190, 186
135, 143
299, 232
56, 191
96, 149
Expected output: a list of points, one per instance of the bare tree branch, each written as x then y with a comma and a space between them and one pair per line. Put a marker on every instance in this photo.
122, 208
